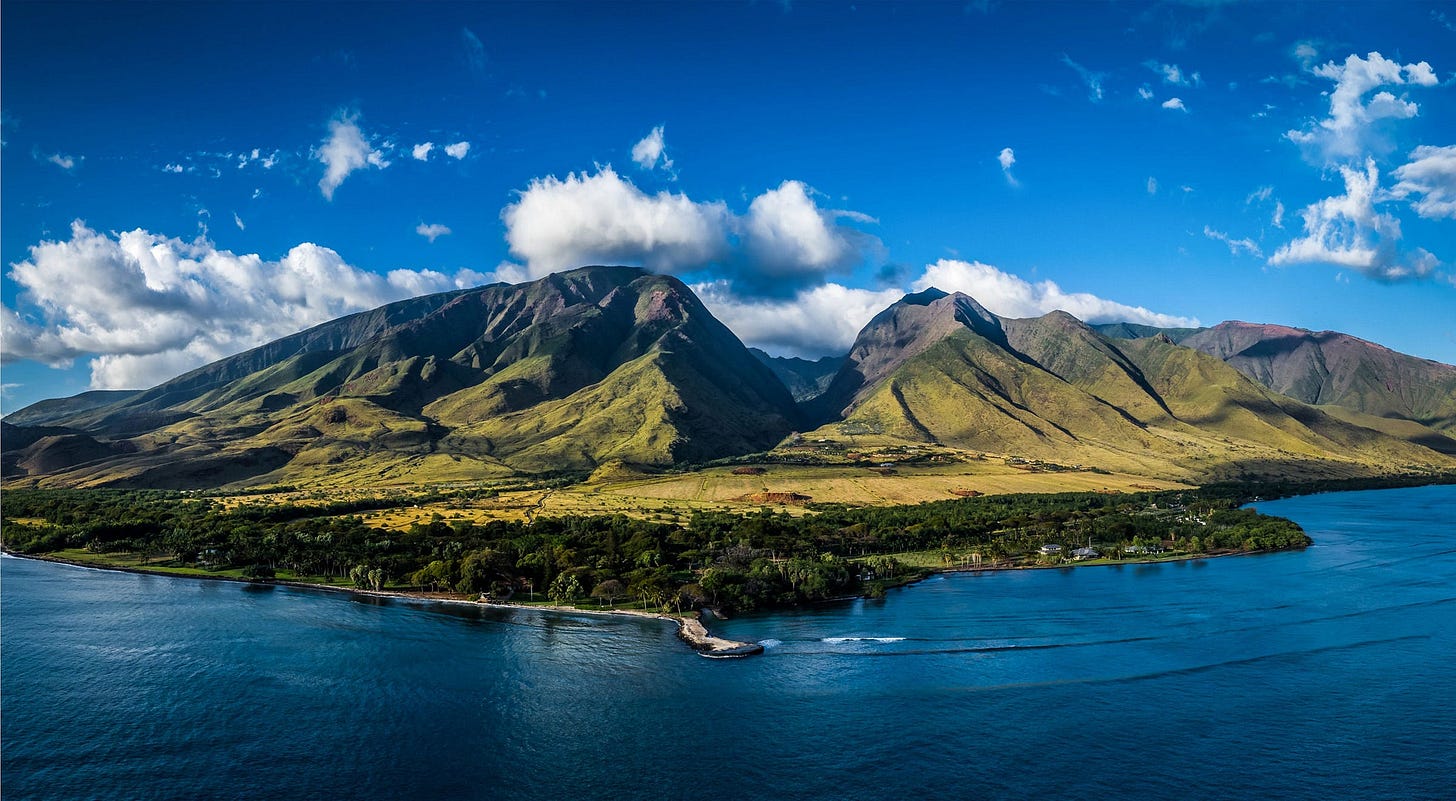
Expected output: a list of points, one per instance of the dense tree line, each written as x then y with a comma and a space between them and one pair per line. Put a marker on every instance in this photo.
733, 560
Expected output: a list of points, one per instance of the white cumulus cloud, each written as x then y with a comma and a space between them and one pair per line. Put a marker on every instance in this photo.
432, 231
346, 150
783, 241
1430, 173
813, 322
146, 307
421, 152
66, 163
1347, 230
1012, 296
1346, 133
1007, 157
787, 235
1174, 104
602, 218
458, 150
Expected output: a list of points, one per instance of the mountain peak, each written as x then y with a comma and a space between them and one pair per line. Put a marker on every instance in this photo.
907, 328
924, 297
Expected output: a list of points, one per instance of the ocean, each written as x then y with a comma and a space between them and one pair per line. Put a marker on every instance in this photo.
1315, 674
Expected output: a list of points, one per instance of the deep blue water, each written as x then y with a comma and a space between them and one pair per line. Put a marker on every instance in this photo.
1326, 673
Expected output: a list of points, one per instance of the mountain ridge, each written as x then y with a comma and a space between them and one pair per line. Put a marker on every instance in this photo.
941, 371
1328, 369
607, 365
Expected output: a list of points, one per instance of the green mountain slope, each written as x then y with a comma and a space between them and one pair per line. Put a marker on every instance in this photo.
48, 411
566, 372
938, 368
1329, 369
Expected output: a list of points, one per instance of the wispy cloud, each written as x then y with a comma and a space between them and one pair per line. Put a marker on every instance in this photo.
1175, 104
67, 163
256, 156
1092, 79
1305, 53
432, 231
1170, 73
1235, 246
475, 58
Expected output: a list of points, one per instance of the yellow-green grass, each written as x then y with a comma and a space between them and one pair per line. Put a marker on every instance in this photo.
674, 497
864, 486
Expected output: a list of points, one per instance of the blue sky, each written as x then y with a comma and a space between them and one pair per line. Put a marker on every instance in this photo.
181, 182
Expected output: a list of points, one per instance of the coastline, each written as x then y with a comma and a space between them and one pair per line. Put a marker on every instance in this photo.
1004, 568
690, 628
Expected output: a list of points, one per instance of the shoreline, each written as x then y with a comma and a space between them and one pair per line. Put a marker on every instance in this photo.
690, 628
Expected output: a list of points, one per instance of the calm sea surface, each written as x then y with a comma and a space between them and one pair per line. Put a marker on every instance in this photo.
1323, 674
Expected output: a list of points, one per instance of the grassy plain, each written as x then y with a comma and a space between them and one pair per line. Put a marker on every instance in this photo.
673, 497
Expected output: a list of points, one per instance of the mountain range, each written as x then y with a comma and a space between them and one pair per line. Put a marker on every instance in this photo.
614, 364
